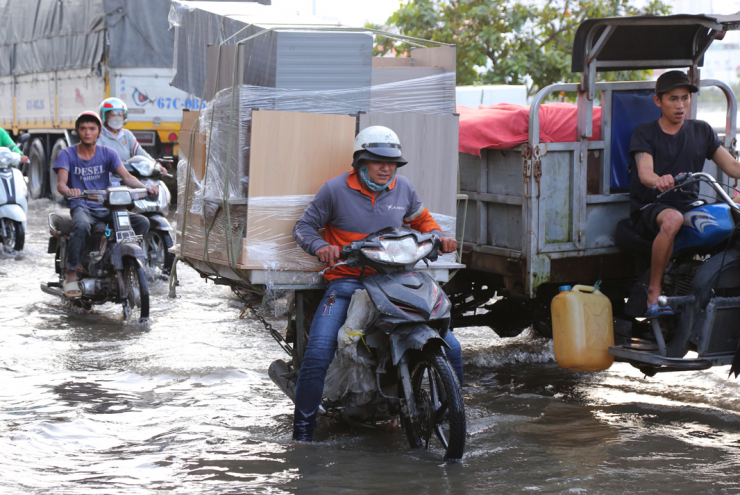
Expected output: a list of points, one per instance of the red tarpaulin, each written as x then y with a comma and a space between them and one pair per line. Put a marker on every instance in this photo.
504, 125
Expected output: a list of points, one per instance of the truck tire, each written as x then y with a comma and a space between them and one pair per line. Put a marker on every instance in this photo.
38, 175
58, 147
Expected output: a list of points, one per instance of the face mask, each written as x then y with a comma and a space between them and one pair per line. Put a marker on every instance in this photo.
115, 122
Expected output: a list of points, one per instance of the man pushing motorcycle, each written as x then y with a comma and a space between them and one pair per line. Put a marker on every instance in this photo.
661, 150
87, 166
350, 207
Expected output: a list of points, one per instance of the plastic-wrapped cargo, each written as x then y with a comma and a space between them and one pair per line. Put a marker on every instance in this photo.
286, 98
274, 164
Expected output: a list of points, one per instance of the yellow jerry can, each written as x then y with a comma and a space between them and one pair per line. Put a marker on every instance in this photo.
582, 328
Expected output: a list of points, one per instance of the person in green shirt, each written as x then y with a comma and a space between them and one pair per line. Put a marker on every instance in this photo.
7, 142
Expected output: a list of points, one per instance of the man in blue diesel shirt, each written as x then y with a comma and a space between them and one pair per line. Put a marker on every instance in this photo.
88, 166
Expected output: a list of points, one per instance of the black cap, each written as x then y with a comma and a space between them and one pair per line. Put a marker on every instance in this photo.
671, 80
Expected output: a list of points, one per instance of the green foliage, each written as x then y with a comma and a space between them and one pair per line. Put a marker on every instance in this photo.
508, 41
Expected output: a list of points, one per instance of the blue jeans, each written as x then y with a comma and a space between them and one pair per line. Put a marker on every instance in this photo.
322, 344
84, 219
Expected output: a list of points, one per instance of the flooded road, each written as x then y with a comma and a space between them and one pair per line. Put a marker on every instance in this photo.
92, 405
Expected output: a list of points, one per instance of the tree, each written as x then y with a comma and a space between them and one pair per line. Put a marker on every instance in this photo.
508, 41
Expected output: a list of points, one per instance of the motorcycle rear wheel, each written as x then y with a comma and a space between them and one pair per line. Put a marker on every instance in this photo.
16, 236
440, 405
158, 256
137, 291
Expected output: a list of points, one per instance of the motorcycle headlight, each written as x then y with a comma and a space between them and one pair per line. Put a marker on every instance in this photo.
399, 251
119, 198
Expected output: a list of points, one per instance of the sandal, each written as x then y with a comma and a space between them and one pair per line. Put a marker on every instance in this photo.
72, 290
655, 311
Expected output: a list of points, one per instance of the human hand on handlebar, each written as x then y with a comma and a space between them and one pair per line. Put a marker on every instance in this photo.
449, 245
664, 182
152, 189
73, 193
329, 254
24, 159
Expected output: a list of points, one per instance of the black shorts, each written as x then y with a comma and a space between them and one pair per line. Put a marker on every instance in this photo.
644, 221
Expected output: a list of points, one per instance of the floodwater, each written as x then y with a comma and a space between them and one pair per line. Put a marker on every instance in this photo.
89, 404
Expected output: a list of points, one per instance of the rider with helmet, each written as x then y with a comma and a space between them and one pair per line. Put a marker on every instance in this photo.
87, 166
350, 207
114, 115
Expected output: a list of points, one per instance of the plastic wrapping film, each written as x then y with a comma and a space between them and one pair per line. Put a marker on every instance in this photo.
46, 36
262, 227
206, 236
227, 118
448, 224
277, 51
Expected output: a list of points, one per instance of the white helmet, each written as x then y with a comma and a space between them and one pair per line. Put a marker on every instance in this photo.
378, 143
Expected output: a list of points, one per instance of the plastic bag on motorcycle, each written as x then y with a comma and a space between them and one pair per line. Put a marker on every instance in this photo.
352, 370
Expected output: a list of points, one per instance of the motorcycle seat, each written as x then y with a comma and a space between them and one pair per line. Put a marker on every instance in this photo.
630, 240
62, 222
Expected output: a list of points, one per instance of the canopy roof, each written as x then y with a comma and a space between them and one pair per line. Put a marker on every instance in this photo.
648, 42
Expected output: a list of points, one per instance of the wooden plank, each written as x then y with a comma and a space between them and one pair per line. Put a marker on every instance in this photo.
295, 153
386, 75
429, 143
391, 62
199, 148
291, 156
438, 56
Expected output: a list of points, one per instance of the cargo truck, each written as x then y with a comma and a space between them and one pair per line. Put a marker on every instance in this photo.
58, 59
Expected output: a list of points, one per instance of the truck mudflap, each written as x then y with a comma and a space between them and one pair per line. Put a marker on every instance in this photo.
413, 337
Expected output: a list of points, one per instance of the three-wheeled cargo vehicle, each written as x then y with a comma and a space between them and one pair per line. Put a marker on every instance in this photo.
542, 215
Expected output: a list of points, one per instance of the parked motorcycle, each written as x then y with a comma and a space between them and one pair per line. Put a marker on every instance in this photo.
13, 202
701, 284
111, 268
413, 376
158, 241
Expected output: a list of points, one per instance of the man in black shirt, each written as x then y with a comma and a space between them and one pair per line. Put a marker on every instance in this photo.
662, 149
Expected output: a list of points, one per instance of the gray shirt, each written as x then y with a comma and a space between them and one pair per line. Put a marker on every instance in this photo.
125, 144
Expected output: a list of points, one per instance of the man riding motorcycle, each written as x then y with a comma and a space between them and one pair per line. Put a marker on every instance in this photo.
7, 142
114, 115
662, 149
350, 207
87, 166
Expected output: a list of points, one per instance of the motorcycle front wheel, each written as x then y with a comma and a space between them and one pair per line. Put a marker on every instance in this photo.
14, 237
136, 305
439, 403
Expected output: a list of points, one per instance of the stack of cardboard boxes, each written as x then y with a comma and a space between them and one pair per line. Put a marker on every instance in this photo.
252, 159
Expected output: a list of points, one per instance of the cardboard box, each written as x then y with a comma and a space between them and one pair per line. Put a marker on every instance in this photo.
192, 143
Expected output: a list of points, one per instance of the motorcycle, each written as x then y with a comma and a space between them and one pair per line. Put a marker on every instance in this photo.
414, 379
701, 284
13, 202
111, 267
158, 241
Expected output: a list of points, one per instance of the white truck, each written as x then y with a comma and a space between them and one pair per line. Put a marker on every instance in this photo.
66, 57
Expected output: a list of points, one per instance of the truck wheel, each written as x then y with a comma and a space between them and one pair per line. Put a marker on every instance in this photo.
37, 170
58, 147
